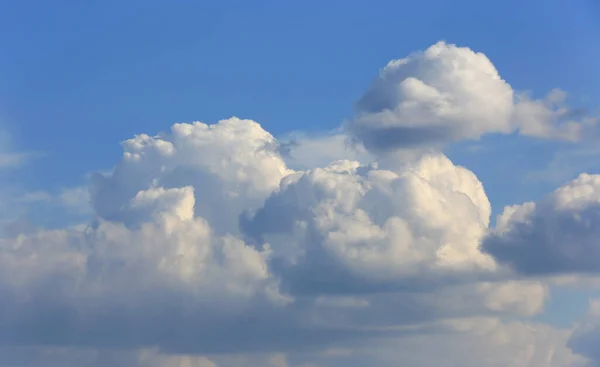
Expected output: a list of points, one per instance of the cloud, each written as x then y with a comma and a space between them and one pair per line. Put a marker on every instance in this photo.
483, 342
234, 164
476, 342
338, 256
552, 118
557, 235
219, 245
120, 287
449, 93
407, 220
586, 336
306, 151
445, 93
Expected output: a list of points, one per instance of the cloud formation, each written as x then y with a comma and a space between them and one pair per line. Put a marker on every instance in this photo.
557, 235
449, 93
218, 245
412, 220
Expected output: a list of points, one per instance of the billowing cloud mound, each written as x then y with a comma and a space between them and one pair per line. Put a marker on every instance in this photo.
413, 220
449, 93
445, 93
560, 234
234, 165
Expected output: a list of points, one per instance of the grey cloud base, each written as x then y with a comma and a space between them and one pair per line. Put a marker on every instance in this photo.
560, 234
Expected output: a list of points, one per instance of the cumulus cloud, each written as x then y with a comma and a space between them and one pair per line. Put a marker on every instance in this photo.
234, 164
443, 94
326, 256
449, 93
557, 235
375, 223
218, 245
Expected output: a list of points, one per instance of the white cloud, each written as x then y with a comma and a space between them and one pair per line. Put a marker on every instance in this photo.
233, 165
445, 93
153, 271
412, 220
449, 93
552, 118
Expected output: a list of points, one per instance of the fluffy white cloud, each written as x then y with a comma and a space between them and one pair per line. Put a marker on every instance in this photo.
559, 234
414, 219
164, 263
233, 165
449, 93
443, 94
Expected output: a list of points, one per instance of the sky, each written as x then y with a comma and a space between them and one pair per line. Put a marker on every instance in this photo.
295, 184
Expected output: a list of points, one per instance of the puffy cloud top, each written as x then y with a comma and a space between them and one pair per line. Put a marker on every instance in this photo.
445, 93
449, 93
233, 165
422, 218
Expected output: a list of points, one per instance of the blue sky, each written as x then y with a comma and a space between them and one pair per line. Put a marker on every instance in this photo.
77, 78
